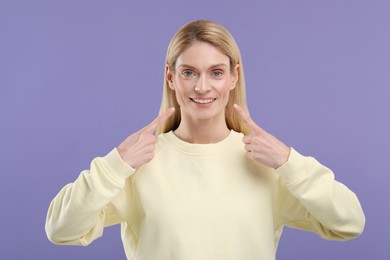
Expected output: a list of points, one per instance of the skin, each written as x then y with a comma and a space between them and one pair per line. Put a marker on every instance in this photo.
202, 82
202, 73
138, 148
261, 146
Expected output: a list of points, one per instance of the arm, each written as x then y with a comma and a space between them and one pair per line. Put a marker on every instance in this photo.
310, 198
78, 213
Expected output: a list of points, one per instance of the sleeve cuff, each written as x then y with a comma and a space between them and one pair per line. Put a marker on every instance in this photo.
116, 166
295, 168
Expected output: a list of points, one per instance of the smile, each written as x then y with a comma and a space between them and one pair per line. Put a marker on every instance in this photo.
203, 101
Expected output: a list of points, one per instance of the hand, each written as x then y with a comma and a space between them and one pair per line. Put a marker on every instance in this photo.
138, 148
261, 146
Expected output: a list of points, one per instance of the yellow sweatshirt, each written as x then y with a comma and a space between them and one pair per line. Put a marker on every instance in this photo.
203, 202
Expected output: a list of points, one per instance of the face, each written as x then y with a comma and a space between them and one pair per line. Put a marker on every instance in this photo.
202, 82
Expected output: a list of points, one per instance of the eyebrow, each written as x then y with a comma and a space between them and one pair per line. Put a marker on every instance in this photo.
211, 67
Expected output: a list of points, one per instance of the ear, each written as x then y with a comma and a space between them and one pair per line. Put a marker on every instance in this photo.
169, 77
234, 76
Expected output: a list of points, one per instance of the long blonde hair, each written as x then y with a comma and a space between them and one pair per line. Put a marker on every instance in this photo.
218, 36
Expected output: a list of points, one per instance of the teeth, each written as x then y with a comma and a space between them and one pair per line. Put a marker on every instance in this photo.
203, 101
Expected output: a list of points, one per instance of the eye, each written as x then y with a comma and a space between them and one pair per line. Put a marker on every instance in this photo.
217, 73
187, 73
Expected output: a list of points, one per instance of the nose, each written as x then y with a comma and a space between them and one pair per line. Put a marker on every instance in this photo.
202, 85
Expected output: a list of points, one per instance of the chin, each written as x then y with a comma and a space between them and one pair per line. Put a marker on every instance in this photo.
208, 115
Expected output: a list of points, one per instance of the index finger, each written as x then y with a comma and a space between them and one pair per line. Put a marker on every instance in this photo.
159, 120
250, 123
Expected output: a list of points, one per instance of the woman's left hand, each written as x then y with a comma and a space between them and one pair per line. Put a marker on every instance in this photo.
261, 146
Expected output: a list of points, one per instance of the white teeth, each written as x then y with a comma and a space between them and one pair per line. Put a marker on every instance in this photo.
203, 101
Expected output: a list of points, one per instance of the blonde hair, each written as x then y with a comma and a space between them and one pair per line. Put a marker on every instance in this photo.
218, 36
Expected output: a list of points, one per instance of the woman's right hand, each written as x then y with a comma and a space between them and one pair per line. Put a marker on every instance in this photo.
138, 148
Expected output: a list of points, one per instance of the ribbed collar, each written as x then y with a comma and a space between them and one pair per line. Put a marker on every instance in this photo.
201, 149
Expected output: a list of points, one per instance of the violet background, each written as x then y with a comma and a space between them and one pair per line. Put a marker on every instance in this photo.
77, 77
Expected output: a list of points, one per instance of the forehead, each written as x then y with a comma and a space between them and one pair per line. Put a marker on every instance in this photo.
202, 55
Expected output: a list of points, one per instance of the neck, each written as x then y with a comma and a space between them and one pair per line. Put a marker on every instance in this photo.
202, 131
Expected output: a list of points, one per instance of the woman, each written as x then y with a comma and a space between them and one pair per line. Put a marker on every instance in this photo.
213, 184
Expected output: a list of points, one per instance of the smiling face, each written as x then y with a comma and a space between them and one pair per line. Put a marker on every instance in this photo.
202, 82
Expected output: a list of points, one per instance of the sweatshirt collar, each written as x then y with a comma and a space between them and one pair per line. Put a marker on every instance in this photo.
201, 149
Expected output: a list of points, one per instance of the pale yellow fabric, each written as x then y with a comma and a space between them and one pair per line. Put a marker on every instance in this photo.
197, 201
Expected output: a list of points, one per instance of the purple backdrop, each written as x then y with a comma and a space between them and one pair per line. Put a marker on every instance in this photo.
77, 77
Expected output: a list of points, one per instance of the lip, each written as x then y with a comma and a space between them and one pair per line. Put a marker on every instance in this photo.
202, 101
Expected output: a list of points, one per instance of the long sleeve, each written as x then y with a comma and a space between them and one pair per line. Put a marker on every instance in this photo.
79, 212
311, 199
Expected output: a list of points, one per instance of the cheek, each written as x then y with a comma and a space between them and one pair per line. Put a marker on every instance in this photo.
223, 88
181, 91
224, 92
184, 87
